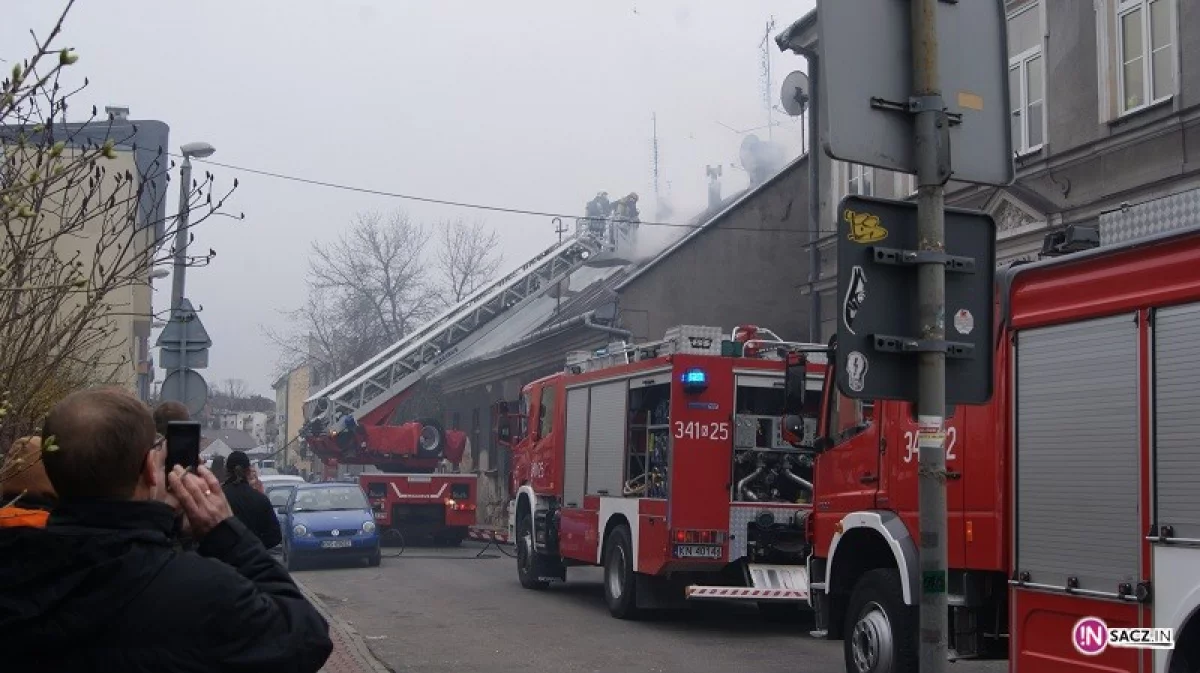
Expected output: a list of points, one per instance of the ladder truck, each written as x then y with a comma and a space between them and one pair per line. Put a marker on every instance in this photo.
355, 419
667, 464
1074, 519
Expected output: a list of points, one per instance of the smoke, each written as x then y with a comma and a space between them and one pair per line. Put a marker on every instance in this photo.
652, 239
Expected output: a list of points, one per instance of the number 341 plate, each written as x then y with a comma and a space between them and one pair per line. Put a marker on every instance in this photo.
704, 551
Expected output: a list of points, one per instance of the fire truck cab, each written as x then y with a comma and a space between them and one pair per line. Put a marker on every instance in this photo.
668, 464
1072, 495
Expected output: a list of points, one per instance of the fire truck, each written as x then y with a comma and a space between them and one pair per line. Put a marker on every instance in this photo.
362, 417
667, 464
1072, 495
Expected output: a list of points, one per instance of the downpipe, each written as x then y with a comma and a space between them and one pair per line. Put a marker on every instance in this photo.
625, 334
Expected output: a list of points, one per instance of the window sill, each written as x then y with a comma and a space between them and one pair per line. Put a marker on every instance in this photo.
1030, 153
1126, 117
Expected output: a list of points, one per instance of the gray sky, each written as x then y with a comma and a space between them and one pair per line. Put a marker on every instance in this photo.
534, 104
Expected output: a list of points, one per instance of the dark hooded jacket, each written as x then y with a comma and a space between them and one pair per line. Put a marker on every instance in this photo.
102, 589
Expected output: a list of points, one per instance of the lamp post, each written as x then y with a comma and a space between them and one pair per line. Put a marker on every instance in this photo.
200, 151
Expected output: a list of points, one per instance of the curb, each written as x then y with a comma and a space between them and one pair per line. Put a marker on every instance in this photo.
359, 649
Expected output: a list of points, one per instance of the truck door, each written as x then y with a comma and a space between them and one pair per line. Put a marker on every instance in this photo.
847, 474
543, 427
898, 486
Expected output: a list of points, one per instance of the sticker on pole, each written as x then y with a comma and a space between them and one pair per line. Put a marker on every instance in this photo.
856, 294
964, 322
856, 371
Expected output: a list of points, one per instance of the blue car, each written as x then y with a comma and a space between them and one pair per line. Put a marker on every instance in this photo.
326, 521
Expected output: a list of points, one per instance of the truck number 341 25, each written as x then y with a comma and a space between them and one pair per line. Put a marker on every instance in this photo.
696, 430
913, 451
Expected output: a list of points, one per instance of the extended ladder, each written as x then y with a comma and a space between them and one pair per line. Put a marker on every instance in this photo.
404, 363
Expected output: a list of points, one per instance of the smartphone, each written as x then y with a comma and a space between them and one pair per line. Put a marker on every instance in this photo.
183, 445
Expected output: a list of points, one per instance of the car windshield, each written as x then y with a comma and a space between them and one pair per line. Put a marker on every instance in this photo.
279, 495
327, 499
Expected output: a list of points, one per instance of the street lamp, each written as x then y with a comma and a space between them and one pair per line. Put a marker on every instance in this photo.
199, 150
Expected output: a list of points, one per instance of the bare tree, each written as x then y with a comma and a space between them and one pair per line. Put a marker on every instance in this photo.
373, 285
235, 389
78, 237
468, 258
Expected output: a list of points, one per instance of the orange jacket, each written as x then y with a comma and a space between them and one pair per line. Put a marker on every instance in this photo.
17, 517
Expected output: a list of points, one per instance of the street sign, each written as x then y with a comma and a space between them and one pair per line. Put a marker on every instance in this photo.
184, 342
867, 85
186, 386
879, 331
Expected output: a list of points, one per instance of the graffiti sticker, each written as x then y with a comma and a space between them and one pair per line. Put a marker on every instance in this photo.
856, 371
856, 294
864, 227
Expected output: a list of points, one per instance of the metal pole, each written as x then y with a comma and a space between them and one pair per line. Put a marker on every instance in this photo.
179, 272
814, 195
930, 126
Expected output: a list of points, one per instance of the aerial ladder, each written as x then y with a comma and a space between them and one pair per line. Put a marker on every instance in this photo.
347, 421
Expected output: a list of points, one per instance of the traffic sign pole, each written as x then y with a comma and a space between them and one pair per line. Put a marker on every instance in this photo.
932, 135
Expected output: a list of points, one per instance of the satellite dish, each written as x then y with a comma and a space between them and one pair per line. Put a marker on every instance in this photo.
748, 152
795, 94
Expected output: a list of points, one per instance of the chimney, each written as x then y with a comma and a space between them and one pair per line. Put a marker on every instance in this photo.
714, 186
117, 112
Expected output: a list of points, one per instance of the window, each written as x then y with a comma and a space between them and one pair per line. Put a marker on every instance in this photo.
546, 413
860, 180
1145, 52
1026, 75
906, 185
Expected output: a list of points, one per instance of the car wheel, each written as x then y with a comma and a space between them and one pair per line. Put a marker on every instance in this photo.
289, 559
880, 632
375, 558
619, 580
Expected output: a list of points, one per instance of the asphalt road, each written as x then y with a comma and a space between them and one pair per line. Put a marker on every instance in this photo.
441, 610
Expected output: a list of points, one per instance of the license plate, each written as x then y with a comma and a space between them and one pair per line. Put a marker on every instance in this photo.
335, 544
698, 551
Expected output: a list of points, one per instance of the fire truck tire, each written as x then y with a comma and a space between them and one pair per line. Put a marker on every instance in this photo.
880, 634
529, 562
619, 581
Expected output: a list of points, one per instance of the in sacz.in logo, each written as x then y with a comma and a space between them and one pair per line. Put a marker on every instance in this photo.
1091, 636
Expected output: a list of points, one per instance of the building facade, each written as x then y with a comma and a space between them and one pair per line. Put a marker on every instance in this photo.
1105, 98
291, 390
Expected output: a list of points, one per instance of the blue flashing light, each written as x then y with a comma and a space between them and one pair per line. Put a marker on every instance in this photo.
694, 380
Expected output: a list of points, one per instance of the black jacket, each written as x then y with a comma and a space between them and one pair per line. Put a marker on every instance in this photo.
254, 509
101, 589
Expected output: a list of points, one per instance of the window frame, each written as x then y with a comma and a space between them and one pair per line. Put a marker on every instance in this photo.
546, 410
1121, 8
1020, 62
859, 175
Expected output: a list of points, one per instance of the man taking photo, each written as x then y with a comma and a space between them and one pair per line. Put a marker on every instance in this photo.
100, 588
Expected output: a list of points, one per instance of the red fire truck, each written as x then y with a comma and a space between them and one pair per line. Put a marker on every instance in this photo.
1072, 495
667, 464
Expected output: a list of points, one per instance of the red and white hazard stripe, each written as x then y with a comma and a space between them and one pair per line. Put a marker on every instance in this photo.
745, 593
488, 535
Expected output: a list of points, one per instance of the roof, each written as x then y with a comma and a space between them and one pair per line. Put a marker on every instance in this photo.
727, 207
238, 440
793, 37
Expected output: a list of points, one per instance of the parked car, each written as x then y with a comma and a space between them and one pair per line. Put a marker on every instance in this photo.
279, 493
328, 521
270, 480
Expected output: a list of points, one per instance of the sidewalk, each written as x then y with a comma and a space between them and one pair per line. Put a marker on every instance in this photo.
350, 652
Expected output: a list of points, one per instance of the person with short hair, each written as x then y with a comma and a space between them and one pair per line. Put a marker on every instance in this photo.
26, 495
100, 587
167, 412
250, 505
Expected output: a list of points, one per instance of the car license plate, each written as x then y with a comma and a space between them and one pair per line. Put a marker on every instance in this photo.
335, 544
698, 551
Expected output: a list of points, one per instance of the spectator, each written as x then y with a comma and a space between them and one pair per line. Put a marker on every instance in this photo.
250, 506
218, 468
167, 412
100, 589
26, 495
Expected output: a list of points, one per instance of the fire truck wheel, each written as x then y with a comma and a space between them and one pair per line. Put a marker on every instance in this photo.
880, 633
619, 581
528, 560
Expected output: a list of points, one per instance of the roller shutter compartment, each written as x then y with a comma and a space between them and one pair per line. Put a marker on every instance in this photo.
1077, 454
1177, 420
575, 453
606, 438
